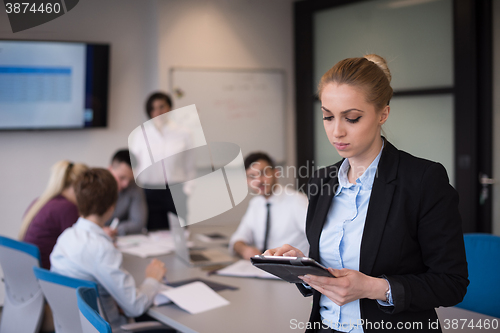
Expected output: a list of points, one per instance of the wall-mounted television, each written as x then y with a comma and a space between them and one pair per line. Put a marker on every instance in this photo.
53, 85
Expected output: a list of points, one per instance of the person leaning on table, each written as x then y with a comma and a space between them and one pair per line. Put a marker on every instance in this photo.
131, 208
84, 251
54, 211
386, 223
274, 216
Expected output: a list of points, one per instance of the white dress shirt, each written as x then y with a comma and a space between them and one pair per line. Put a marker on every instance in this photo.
170, 141
288, 221
84, 251
340, 241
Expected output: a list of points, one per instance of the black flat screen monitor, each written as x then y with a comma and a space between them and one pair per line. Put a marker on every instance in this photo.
53, 85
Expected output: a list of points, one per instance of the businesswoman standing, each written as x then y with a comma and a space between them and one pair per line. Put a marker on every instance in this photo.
386, 223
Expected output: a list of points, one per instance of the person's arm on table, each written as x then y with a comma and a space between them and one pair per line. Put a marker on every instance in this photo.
121, 285
244, 250
243, 237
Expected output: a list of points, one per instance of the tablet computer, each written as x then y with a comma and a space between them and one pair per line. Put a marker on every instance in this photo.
290, 268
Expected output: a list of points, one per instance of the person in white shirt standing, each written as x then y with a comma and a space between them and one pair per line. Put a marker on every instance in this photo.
276, 215
171, 138
86, 252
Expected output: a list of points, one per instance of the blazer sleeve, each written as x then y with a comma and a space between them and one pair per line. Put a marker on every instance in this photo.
439, 232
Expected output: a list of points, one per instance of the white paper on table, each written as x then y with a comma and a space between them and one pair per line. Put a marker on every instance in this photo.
131, 240
162, 235
204, 238
161, 298
150, 249
195, 297
244, 268
154, 244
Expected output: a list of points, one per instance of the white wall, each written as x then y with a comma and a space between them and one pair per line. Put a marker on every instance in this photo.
147, 38
496, 117
229, 34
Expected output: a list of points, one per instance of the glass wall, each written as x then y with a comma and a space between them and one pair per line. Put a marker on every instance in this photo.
416, 38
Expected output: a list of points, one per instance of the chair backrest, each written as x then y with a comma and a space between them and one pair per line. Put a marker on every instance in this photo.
60, 292
483, 259
90, 319
24, 302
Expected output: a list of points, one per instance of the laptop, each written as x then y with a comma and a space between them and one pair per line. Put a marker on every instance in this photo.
198, 257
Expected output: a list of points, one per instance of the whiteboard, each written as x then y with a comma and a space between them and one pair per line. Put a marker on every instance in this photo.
246, 107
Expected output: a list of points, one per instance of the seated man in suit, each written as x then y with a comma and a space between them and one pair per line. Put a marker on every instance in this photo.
85, 251
131, 208
276, 216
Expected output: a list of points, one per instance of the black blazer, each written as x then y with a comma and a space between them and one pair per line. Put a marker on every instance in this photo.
412, 236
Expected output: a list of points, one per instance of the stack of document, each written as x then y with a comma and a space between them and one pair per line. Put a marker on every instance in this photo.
130, 240
244, 268
195, 297
155, 244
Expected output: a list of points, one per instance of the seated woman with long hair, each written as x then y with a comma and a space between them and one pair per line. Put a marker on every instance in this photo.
54, 211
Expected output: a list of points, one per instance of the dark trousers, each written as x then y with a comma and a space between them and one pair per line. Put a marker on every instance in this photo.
160, 202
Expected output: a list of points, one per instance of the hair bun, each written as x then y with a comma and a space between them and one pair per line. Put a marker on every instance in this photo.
381, 63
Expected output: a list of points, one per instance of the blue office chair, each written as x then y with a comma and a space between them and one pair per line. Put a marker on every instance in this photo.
92, 322
90, 319
483, 259
24, 302
60, 292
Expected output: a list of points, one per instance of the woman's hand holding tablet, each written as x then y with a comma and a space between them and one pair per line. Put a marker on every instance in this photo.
289, 264
285, 251
340, 285
348, 285
290, 268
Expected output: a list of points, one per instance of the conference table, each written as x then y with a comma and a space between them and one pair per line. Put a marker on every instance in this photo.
258, 305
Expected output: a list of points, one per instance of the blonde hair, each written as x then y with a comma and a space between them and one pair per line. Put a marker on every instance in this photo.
63, 174
369, 73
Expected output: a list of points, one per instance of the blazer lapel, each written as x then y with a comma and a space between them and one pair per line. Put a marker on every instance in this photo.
378, 208
319, 219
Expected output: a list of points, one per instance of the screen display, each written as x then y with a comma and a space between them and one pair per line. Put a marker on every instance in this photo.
53, 85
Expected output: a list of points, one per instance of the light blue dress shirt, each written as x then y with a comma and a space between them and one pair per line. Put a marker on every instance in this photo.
340, 241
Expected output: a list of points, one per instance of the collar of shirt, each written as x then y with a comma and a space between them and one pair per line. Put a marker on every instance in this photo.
365, 180
90, 226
